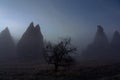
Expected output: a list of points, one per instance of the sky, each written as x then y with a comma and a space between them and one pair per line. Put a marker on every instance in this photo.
61, 18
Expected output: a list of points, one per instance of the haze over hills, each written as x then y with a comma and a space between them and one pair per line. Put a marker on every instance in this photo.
115, 45
7, 46
30, 47
101, 49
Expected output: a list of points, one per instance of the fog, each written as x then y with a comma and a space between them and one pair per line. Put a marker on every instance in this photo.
59, 39
77, 19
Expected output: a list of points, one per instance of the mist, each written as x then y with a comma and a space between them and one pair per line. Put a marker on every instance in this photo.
60, 18
59, 39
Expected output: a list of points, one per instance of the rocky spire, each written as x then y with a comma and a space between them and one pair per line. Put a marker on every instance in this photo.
7, 46
5, 36
37, 28
30, 29
5, 32
30, 46
99, 49
100, 37
31, 26
116, 39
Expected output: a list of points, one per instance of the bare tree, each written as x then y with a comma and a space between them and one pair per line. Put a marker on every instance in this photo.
59, 54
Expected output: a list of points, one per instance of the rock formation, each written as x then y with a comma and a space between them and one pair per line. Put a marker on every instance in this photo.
116, 40
115, 46
30, 46
100, 38
7, 46
99, 49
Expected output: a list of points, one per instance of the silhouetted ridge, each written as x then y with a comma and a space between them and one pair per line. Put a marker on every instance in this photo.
7, 46
31, 27
37, 28
99, 49
5, 33
115, 46
116, 39
30, 46
100, 37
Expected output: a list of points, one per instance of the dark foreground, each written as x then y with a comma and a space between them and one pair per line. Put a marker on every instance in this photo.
107, 72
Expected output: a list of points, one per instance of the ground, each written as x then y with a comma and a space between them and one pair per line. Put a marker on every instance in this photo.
36, 72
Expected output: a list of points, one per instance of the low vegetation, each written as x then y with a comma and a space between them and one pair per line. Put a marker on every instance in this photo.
107, 72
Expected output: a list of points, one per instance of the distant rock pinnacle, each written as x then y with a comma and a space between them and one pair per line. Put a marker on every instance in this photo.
30, 46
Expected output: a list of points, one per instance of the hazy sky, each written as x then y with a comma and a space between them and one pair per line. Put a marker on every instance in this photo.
57, 18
